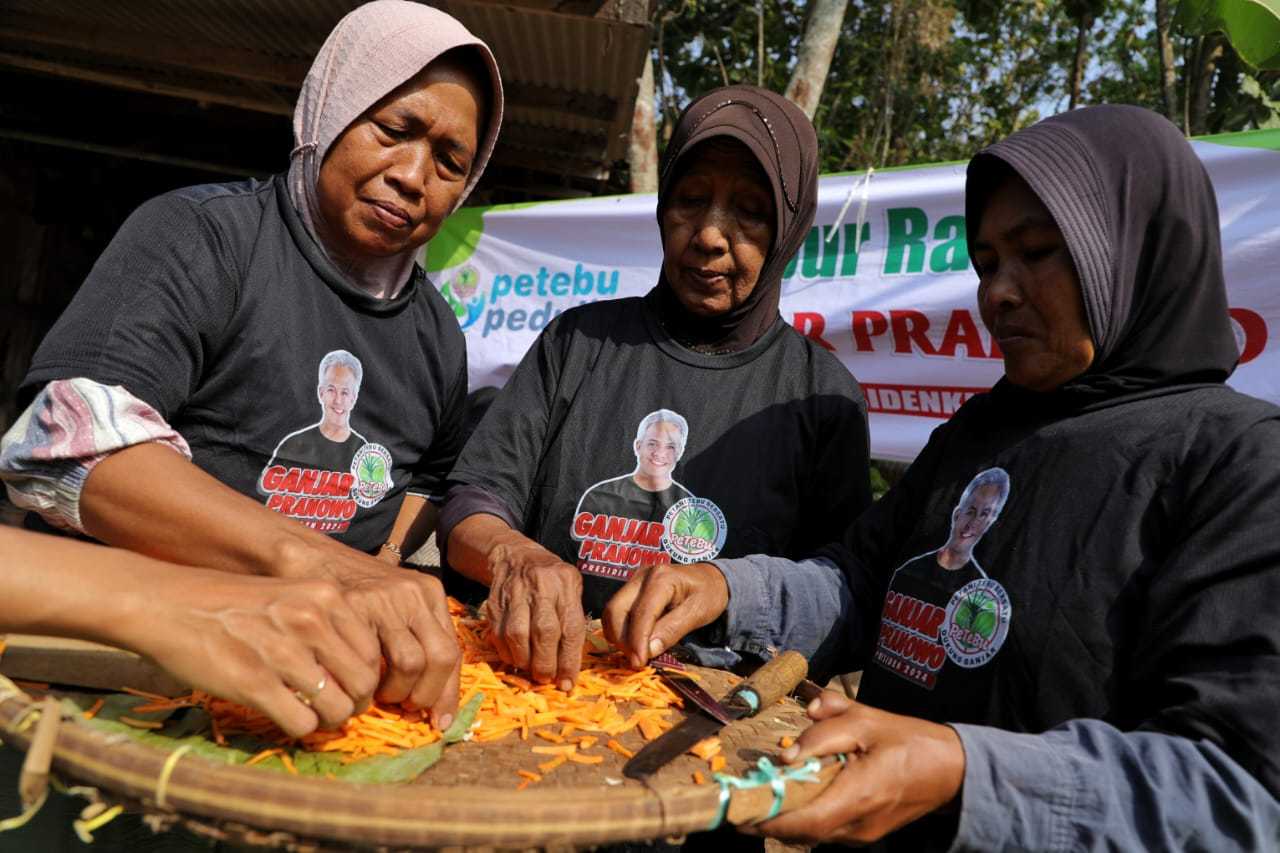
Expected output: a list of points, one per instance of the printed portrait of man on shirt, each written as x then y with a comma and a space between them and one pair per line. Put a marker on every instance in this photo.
312, 472
941, 605
619, 521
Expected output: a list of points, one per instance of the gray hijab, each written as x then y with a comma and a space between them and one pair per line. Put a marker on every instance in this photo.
372, 51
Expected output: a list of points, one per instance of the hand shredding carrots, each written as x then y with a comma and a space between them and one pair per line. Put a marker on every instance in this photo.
511, 705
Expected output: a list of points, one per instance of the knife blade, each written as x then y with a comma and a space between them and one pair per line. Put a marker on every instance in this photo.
766, 685
695, 693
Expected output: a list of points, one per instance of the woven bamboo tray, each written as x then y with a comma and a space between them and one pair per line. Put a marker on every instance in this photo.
467, 799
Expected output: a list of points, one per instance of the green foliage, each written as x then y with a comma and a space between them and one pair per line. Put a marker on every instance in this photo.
1253, 26
190, 727
920, 81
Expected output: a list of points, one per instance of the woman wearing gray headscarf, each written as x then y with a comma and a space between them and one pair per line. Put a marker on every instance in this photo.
1091, 659
280, 335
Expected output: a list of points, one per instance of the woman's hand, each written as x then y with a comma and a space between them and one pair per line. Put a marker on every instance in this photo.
660, 604
535, 608
899, 769
295, 650
408, 611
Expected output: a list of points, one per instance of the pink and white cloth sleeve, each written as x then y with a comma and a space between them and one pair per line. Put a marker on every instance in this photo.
71, 426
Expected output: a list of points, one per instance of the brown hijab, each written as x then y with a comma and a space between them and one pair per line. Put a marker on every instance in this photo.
784, 142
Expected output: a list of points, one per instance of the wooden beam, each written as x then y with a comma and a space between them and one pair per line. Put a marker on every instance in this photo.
601, 108
130, 153
274, 106
233, 62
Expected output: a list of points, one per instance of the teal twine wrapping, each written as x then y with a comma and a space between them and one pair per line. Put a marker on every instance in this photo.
765, 773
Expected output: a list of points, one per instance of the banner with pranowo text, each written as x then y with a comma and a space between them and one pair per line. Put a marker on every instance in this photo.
886, 286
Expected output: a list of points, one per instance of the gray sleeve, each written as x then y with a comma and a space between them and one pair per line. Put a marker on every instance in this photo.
775, 603
1086, 785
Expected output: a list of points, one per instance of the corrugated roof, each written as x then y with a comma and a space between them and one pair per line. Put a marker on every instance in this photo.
570, 77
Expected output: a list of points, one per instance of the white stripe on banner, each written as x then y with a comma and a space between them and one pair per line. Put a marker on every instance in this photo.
895, 303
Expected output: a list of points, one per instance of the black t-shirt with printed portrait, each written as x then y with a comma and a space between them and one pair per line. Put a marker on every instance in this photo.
215, 306
774, 454
916, 638
309, 448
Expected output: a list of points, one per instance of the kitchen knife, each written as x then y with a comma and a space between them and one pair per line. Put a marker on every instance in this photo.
766, 685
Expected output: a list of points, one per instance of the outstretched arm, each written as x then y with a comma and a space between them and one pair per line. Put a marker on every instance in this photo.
214, 526
250, 640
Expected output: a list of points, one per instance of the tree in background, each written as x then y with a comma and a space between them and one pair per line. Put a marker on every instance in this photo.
918, 81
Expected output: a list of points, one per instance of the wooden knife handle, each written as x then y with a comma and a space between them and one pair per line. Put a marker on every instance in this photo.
775, 679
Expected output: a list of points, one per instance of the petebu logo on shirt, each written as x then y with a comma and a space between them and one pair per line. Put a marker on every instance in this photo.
323, 474
646, 517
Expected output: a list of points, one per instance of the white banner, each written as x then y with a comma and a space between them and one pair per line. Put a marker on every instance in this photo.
896, 306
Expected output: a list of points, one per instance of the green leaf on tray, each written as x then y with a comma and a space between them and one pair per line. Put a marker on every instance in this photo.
190, 727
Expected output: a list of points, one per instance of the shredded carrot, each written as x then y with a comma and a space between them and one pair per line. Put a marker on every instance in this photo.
141, 724
530, 775
620, 749
786, 741
288, 763
717, 763
548, 766
523, 785
698, 778
154, 697
510, 703
586, 759
264, 755
94, 709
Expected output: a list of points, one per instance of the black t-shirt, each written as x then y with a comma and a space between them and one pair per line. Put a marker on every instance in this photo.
766, 448
215, 306
1129, 575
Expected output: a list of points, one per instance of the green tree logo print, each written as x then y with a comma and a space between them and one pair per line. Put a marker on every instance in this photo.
372, 469
976, 615
696, 522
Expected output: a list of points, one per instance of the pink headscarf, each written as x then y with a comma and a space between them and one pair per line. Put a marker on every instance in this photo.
371, 51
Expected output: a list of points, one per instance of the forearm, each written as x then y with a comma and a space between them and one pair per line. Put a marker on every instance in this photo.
148, 499
1086, 785
62, 587
775, 603
413, 526
473, 540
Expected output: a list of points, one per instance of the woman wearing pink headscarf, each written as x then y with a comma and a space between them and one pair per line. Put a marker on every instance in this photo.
279, 335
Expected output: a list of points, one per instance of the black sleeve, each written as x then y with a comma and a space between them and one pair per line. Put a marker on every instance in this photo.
837, 488
1206, 661
503, 454
432, 471
150, 311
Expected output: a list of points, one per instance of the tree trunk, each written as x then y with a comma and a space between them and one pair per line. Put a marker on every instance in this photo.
1164, 42
642, 151
760, 42
1077, 67
1201, 82
814, 56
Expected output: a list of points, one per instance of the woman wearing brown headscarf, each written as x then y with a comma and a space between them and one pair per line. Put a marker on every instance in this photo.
279, 335
1065, 609
668, 429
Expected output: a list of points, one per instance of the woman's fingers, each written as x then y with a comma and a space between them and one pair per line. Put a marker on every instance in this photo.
840, 733
829, 817
285, 709
437, 688
573, 628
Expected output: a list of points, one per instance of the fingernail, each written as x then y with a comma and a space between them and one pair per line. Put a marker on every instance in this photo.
814, 705
789, 754
446, 721
655, 646
566, 685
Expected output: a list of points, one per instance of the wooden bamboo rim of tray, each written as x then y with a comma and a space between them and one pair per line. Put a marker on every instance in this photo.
387, 815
